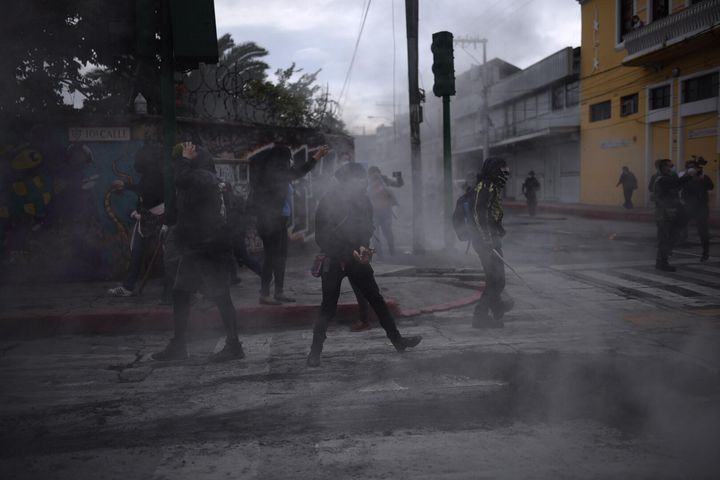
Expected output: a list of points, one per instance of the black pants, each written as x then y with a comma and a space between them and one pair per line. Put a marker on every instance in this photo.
363, 277
628, 193
275, 244
243, 257
140, 245
532, 204
701, 217
363, 305
494, 270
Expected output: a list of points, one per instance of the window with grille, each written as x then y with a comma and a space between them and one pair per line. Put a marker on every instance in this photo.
600, 111
700, 88
660, 97
629, 104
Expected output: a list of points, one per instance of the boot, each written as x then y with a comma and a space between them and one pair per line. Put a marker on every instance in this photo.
232, 351
175, 350
502, 307
403, 343
664, 266
313, 359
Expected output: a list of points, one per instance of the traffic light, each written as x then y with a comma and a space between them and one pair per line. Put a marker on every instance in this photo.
443, 64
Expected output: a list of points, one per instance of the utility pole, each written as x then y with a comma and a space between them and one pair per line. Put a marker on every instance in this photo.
486, 109
167, 96
411, 20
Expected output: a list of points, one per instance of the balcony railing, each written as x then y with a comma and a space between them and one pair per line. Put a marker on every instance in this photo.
674, 28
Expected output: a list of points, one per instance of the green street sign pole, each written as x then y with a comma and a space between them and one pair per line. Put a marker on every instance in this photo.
167, 93
447, 171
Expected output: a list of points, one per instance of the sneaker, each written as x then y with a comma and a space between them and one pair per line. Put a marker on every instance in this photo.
119, 292
360, 326
268, 300
281, 297
503, 307
407, 342
231, 351
175, 350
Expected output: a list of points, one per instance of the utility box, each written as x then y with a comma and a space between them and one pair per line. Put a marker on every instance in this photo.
194, 33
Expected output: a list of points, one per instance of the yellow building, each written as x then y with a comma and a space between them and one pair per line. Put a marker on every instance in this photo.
649, 89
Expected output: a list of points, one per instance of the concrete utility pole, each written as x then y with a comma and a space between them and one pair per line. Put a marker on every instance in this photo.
411, 19
486, 109
167, 96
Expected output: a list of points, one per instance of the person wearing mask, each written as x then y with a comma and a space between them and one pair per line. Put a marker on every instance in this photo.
343, 227
694, 193
148, 214
271, 202
665, 188
629, 183
203, 242
487, 242
530, 188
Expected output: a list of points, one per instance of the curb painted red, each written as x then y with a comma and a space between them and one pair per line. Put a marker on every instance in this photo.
158, 319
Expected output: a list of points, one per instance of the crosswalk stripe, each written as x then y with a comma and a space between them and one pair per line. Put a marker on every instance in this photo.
713, 292
642, 288
705, 268
697, 277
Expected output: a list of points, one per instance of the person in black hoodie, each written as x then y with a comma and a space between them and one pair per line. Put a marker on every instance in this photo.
343, 227
270, 200
204, 244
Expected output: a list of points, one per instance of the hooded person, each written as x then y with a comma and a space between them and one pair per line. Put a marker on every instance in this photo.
201, 237
694, 193
530, 188
343, 227
487, 242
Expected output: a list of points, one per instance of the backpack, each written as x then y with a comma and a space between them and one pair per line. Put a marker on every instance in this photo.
462, 220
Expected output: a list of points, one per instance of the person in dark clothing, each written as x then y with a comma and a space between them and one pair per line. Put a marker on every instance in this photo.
629, 184
486, 240
343, 227
270, 177
148, 214
530, 188
665, 188
694, 192
202, 240
239, 222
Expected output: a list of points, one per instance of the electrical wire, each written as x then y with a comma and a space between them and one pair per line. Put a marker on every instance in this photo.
346, 83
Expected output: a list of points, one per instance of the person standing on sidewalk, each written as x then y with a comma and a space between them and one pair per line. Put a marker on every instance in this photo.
148, 214
270, 200
383, 201
665, 190
695, 188
204, 244
530, 188
343, 227
487, 242
630, 184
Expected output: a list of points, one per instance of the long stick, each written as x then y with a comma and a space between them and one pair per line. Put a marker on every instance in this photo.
150, 266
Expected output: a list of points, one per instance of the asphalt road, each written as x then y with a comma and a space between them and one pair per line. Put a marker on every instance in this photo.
605, 369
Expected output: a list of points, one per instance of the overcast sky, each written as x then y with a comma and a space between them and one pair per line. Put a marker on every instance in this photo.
321, 34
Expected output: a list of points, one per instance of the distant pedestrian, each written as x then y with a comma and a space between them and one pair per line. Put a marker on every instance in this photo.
383, 201
148, 214
487, 242
239, 223
271, 202
203, 243
694, 192
630, 184
530, 188
343, 227
665, 189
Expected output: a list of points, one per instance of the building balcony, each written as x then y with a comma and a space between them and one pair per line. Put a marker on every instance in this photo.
694, 27
563, 122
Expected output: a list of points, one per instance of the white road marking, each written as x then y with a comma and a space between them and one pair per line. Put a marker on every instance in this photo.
712, 292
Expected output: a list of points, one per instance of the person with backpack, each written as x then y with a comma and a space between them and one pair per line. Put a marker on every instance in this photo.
271, 174
630, 184
343, 227
486, 237
530, 188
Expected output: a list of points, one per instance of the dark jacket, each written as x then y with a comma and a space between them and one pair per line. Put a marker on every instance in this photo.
628, 181
270, 174
530, 187
343, 223
694, 191
150, 188
488, 212
200, 224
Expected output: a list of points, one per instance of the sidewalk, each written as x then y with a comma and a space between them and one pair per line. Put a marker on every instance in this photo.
638, 214
69, 308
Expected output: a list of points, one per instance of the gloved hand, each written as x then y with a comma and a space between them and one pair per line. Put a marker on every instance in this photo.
163, 232
364, 255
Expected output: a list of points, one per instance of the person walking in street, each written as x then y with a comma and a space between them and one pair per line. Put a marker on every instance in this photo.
343, 227
204, 246
487, 242
694, 193
665, 188
530, 188
148, 215
271, 175
629, 184
383, 201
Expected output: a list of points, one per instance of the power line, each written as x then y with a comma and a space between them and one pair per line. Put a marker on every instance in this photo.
352, 60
